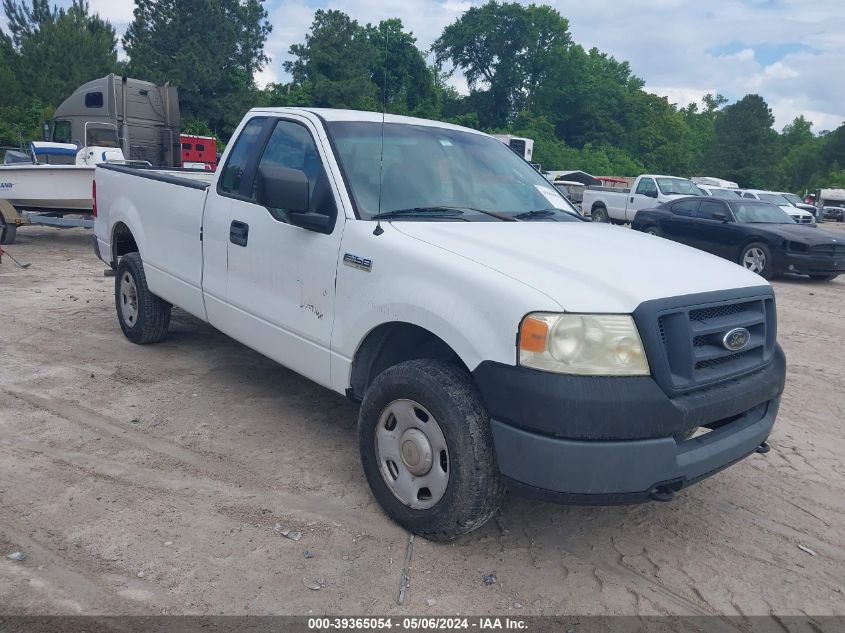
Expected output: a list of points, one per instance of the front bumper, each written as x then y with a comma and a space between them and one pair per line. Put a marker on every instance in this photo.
812, 264
597, 440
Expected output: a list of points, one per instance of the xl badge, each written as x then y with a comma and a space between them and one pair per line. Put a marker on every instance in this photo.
736, 339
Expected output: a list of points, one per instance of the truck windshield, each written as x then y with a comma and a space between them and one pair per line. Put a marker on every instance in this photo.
833, 203
718, 192
792, 198
774, 198
756, 212
678, 187
433, 173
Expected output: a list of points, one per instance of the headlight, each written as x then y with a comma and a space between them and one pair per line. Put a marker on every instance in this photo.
586, 344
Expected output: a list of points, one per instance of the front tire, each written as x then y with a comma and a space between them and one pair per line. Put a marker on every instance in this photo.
653, 230
8, 232
427, 449
144, 317
757, 258
599, 214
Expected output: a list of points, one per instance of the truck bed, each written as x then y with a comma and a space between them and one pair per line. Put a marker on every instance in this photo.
171, 202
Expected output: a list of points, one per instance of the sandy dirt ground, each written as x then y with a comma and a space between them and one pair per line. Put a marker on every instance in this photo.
148, 480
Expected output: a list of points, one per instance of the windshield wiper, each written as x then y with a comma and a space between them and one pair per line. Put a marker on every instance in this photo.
543, 213
441, 211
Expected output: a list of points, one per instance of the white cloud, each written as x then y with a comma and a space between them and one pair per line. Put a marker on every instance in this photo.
118, 12
681, 96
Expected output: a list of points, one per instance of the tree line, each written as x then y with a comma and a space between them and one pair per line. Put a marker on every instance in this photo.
526, 76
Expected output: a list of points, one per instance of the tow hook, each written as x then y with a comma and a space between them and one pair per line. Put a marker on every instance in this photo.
664, 494
763, 448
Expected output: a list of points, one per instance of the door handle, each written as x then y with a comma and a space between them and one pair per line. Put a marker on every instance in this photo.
632, 198
239, 233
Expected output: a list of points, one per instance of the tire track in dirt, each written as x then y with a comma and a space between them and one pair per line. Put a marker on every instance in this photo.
222, 473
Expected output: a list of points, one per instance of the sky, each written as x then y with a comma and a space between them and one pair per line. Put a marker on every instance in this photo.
792, 52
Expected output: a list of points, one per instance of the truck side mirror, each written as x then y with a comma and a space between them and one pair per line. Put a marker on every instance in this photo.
282, 188
721, 216
651, 193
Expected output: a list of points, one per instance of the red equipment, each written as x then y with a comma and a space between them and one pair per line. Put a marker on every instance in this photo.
199, 152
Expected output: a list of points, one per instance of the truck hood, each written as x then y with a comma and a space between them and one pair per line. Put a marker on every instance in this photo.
585, 267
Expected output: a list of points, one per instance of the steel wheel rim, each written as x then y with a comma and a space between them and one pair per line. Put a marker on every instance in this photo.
412, 455
754, 259
128, 299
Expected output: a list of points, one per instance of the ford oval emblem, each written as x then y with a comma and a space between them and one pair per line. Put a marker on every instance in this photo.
736, 339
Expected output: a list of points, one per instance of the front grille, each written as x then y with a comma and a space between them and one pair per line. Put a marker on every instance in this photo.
703, 314
692, 341
834, 250
802, 219
715, 362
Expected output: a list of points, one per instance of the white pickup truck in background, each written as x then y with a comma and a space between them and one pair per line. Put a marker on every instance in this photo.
609, 204
457, 307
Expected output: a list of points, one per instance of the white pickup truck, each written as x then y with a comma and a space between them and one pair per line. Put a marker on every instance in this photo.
611, 204
456, 308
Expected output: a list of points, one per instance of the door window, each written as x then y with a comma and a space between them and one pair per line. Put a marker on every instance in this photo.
709, 207
685, 208
102, 136
646, 186
232, 179
62, 132
291, 146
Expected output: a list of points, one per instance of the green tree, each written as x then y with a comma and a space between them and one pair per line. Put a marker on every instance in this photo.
210, 49
335, 63
10, 93
506, 51
399, 70
656, 133
801, 154
746, 148
57, 49
587, 95
701, 125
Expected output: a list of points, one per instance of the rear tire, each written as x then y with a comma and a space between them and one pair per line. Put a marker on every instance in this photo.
144, 317
427, 449
599, 214
757, 258
8, 232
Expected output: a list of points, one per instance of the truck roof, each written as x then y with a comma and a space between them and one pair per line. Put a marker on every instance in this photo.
332, 114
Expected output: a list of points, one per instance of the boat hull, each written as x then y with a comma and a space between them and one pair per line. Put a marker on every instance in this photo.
50, 188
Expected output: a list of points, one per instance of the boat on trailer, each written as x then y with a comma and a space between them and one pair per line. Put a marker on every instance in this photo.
51, 181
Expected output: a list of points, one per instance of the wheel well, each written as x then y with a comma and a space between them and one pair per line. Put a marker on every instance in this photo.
122, 242
598, 205
390, 344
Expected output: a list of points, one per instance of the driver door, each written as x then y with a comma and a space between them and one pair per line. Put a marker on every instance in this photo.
718, 233
280, 286
643, 197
